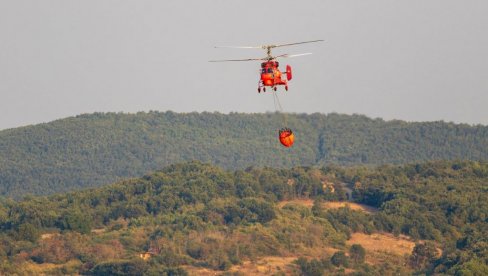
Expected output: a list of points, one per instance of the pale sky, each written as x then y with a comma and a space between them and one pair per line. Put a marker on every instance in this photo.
414, 60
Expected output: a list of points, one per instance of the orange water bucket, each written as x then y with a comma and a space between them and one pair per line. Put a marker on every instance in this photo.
286, 137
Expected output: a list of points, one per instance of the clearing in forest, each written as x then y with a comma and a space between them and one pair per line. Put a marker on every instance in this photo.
266, 266
380, 248
330, 205
352, 205
383, 242
263, 266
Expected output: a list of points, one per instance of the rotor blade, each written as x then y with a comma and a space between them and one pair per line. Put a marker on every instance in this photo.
289, 56
296, 43
247, 59
240, 47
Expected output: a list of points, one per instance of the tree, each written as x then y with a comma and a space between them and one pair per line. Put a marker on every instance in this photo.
312, 268
340, 259
128, 267
75, 220
28, 232
422, 255
357, 253
473, 267
318, 208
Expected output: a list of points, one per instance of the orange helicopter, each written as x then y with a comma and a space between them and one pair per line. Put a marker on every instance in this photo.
271, 75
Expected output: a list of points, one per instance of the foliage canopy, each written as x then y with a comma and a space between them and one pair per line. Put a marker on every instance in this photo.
92, 150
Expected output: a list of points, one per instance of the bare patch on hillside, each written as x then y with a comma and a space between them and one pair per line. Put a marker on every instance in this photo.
268, 265
330, 205
352, 205
31, 268
305, 202
98, 231
200, 271
382, 243
48, 235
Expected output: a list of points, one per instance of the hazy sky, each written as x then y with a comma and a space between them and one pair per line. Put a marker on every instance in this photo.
416, 60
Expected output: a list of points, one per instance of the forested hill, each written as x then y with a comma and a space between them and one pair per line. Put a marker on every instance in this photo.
199, 218
91, 150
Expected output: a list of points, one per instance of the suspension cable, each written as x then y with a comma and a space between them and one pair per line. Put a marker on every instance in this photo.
279, 108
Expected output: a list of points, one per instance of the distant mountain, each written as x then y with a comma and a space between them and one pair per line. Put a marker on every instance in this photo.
95, 149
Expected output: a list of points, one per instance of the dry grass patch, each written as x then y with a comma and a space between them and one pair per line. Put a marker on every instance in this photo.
383, 242
384, 247
48, 236
330, 205
351, 205
98, 231
268, 265
31, 268
305, 202
200, 271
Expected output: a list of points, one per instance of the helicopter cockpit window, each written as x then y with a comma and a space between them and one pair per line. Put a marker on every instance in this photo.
263, 71
270, 70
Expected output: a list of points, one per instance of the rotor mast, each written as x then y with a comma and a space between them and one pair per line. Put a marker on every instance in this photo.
268, 51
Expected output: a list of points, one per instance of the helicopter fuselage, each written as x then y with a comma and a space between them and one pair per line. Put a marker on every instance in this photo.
272, 76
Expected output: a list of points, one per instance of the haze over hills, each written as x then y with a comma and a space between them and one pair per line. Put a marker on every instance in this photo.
95, 149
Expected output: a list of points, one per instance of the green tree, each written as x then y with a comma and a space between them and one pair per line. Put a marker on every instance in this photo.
474, 267
340, 259
310, 268
120, 268
423, 254
76, 221
28, 232
357, 253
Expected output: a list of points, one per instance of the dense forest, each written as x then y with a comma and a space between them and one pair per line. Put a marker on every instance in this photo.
198, 217
96, 149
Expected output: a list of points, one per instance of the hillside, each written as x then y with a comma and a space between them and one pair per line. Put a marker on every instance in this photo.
200, 219
92, 150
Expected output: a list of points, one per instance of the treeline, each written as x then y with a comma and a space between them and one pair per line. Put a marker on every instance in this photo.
196, 215
92, 150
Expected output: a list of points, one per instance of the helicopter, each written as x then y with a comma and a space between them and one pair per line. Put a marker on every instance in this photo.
271, 76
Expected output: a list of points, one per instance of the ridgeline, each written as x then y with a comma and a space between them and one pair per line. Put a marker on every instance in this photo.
96, 149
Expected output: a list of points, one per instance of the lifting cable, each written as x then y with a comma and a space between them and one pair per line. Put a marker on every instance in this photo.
279, 108
286, 159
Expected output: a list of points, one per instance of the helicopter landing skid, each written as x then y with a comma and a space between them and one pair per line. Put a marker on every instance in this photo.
261, 86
